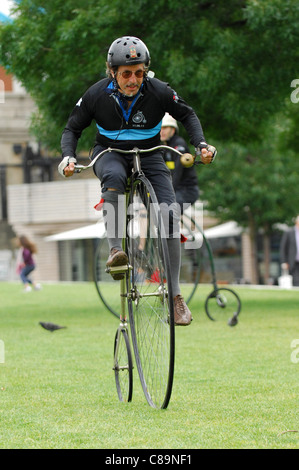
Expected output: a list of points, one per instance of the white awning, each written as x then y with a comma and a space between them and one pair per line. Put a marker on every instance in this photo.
89, 231
228, 229
232, 229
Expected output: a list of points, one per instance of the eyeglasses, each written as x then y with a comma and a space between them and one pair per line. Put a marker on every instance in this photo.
128, 74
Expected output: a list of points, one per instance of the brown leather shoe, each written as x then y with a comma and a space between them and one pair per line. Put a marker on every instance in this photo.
115, 259
182, 314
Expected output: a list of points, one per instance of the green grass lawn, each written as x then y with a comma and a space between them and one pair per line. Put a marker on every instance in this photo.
234, 388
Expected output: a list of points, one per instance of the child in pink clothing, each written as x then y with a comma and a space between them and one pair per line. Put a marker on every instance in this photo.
27, 264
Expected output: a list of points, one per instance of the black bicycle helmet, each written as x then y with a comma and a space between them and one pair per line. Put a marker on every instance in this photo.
128, 50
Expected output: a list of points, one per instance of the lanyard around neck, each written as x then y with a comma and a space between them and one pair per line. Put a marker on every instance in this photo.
127, 112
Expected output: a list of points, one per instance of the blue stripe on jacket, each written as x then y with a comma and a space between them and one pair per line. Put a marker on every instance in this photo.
130, 134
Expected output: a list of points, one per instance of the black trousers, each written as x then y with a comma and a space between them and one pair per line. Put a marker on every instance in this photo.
295, 274
113, 170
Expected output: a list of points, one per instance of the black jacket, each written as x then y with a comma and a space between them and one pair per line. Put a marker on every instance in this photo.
181, 177
140, 126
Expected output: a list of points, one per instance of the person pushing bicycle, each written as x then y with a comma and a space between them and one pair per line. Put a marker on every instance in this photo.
128, 107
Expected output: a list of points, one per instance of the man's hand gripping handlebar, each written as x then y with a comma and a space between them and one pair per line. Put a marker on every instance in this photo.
207, 155
67, 166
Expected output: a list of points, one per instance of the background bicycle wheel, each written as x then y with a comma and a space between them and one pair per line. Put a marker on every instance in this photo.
190, 260
104, 283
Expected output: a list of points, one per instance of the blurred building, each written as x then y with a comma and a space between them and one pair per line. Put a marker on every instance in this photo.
34, 199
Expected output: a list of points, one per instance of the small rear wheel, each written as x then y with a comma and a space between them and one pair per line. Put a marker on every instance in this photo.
123, 366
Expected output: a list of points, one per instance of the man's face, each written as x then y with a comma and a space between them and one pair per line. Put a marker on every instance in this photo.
166, 133
131, 85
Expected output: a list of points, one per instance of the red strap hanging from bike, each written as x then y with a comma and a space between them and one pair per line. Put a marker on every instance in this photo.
183, 238
99, 205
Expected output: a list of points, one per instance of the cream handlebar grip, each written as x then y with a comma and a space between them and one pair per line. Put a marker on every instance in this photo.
187, 160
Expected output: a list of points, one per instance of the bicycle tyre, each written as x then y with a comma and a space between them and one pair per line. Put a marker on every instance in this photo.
104, 283
123, 366
223, 303
150, 302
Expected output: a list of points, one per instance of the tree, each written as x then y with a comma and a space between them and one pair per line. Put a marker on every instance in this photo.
256, 186
233, 60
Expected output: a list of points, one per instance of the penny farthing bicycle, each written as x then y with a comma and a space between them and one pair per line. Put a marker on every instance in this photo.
145, 300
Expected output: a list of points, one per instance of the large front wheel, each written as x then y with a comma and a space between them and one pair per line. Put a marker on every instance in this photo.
150, 299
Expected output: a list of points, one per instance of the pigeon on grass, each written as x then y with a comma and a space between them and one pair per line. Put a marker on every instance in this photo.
50, 326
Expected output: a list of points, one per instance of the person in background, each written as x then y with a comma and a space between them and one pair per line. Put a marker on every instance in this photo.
184, 180
289, 252
26, 263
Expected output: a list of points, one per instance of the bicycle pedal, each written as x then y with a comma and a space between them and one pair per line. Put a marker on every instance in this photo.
117, 272
117, 269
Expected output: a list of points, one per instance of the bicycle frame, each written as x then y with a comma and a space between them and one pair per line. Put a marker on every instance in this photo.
136, 172
120, 269
150, 309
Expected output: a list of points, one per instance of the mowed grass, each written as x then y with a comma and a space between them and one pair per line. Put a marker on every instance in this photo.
234, 388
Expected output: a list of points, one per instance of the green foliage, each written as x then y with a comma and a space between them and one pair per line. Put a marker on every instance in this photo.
232, 60
56, 50
289, 135
256, 182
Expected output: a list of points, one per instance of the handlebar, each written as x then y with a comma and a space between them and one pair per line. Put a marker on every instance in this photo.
187, 160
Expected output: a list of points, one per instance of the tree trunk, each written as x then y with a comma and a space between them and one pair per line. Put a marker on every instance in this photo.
253, 249
267, 257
